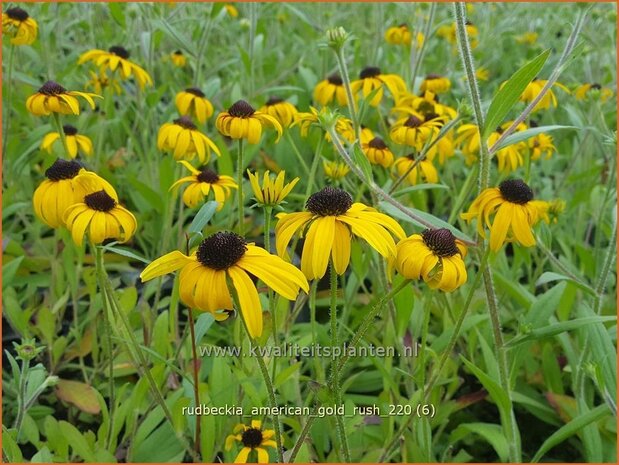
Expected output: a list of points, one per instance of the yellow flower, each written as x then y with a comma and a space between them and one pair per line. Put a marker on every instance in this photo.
73, 139
417, 170
202, 183
449, 33
241, 121
21, 28
284, 112
117, 58
444, 149
252, 438
435, 83
515, 213
534, 88
185, 140
65, 185
231, 9
427, 105
270, 193
415, 130
178, 58
587, 90
482, 73
204, 276
98, 82
555, 208
333, 219
193, 102
541, 145
527, 38
434, 255
401, 35
331, 90
377, 152
53, 98
371, 78
335, 170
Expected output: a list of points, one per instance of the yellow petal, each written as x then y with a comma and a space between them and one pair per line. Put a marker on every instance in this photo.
167, 264
251, 309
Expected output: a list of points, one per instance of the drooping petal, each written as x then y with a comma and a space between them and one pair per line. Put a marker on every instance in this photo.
251, 309
169, 263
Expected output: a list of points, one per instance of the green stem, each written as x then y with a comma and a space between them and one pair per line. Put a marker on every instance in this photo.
426, 35
202, 44
296, 151
239, 194
341, 63
60, 131
314, 168
196, 380
9, 98
21, 397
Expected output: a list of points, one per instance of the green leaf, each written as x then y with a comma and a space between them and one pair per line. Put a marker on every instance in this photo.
490, 432
203, 216
419, 187
203, 323
573, 427
9, 269
362, 161
77, 442
551, 276
508, 95
519, 136
125, 253
116, 10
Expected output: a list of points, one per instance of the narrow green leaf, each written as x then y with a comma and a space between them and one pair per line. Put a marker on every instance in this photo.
361, 161
508, 95
419, 187
203, 323
116, 10
205, 213
77, 442
519, 136
125, 253
491, 433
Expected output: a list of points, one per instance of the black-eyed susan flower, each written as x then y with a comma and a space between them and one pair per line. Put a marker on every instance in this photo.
178, 58
515, 213
252, 438
204, 276
331, 220
117, 58
534, 88
449, 33
482, 73
53, 98
427, 105
185, 141
401, 35
509, 158
271, 192
371, 78
74, 141
418, 170
436, 84
202, 183
284, 112
19, 26
331, 90
415, 130
529, 38
193, 102
231, 10
436, 256
98, 82
335, 170
541, 146
63, 187
100, 216
241, 121
443, 149
377, 152
586, 91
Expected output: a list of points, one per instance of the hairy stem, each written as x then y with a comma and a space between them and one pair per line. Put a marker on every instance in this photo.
196, 380
239, 193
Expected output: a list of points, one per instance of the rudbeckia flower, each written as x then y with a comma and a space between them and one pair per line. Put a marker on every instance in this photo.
99, 82
331, 90
101, 217
74, 140
271, 192
436, 84
541, 145
202, 183
449, 33
117, 58
284, 112
65, 185
241, 121
204, 276
53, 98
415, 130
19, 26
442, 149
515, 213
252, 438
377, 152
371, 78
335, 170
231, 9
401, 35
426, 105
331, 220
192, 101
434, 255
534, 88
183, 137
178, 58
422, 170
587, 90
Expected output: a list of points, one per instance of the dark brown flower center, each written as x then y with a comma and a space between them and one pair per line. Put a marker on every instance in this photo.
69, 130
17, 14
411, 156
100, 201
251, 438
195, 91
221, 250
516, 191
377, 143
178, 52
369, 72
274, 101
62, 169
430, 77
440, 241
330, 201
335, 79
430, 116
404, 25
119, 51
208, 176
185, 122
241, 109
52, 88
595, 86
413, 122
